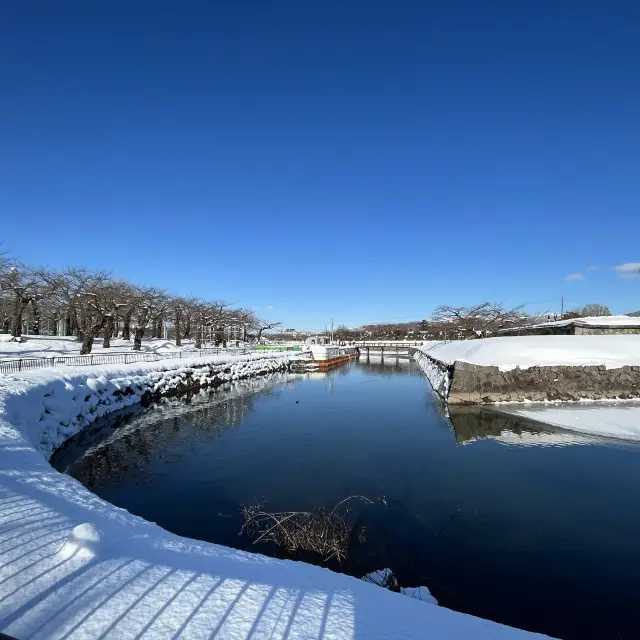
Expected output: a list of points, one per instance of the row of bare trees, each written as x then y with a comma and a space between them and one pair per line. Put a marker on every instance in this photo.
90, 304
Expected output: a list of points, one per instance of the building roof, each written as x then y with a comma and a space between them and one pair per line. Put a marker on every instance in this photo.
618, 322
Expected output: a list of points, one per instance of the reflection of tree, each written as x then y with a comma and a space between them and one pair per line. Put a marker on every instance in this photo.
166, 433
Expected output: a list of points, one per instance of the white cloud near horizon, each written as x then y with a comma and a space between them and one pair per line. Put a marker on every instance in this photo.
270, 306
629, 269
574, 276
593, 267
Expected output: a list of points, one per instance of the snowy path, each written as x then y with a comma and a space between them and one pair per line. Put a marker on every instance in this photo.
74, 566
47, 346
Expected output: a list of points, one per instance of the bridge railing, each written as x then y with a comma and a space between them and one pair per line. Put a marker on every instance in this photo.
400, 345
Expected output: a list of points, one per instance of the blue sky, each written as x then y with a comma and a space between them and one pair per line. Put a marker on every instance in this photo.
361, 160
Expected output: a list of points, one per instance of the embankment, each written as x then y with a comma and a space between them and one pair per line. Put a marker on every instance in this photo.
557, 368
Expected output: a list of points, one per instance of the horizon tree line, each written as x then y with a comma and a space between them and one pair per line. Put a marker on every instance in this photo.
87, 303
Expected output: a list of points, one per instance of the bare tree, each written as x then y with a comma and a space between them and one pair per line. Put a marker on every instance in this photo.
23, 286
594, 309
261, 326
147, 300
478, 320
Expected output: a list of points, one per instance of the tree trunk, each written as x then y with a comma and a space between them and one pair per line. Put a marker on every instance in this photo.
18, 309
157, 327
35, 323
108, 331
89, 335
177, 328
198, 338
187, 328
78, 326
138, 332
126, 327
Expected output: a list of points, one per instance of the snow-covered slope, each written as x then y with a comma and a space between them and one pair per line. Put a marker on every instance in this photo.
74, 566
528, 351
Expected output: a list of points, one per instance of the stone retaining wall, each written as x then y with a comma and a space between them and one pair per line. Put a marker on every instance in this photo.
464, 383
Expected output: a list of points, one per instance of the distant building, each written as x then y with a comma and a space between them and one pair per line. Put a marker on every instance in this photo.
600, 325
317, 340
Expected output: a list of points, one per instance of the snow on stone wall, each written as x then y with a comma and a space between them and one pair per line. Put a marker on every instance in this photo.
488, 371
438, 373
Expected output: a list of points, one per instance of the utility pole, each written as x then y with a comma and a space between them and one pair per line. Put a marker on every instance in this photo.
331, 330
562, 308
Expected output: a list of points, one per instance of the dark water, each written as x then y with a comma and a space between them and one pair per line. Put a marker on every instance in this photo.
495, 524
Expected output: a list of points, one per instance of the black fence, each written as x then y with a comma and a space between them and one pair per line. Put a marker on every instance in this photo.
28, 364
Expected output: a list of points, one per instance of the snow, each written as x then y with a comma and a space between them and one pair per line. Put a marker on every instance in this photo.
47, 346
614, 420
385, 577
75, 566
438, 376
528, 351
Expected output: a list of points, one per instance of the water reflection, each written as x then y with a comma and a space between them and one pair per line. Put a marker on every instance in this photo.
388, 364
123, 445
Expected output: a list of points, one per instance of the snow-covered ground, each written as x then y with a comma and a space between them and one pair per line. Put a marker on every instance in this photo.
47, 346
528, 351
75, 566
611, 420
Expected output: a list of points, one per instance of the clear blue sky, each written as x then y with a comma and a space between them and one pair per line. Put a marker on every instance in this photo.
362, 160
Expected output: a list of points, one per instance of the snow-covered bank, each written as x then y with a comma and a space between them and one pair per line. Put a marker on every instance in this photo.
48, 346
621, 420
534, 368
74, 566
541, 351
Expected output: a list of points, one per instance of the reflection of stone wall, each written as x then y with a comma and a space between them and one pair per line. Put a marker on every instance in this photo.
472, 423
474, 384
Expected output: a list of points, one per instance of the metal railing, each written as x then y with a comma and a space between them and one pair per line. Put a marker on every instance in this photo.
29, 364
372, 344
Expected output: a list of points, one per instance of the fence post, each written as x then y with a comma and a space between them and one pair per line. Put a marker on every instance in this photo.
20, 364
91, 358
